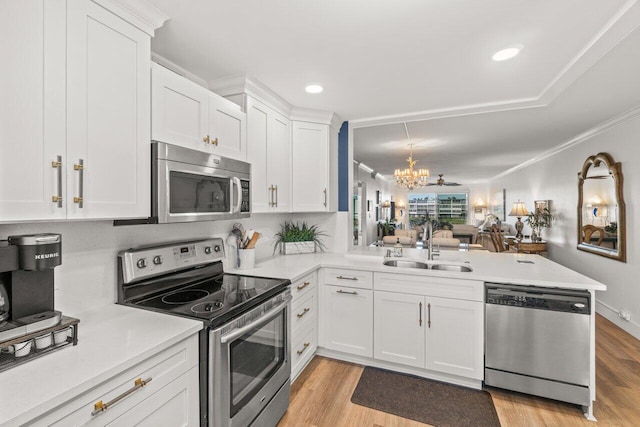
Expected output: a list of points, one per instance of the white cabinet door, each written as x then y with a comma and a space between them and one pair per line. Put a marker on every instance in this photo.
108, 115
399, 328
32, 109
257, 127
180, 110
347, 317
279, 161
454, 342
310, 167
269, 152
227, 128
176, 404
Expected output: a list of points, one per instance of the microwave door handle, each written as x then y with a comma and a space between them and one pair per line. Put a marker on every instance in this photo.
236, 181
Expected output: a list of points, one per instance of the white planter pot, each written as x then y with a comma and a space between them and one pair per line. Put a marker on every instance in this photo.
290, 248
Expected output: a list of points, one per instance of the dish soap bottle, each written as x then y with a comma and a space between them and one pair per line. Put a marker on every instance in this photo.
397, 248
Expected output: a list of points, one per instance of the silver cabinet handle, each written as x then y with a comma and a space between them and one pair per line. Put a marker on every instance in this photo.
429, 315
340, 291
276, 191
325, 197
305, 311
304, 347
80, 168
420, 311
58, 165
304, 285
346, 278
100, 407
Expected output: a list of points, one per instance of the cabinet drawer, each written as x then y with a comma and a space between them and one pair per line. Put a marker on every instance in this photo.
352, 278
162, 368
303, 311
301, 286
302, 350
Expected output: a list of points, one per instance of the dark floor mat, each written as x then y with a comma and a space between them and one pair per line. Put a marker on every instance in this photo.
427, 401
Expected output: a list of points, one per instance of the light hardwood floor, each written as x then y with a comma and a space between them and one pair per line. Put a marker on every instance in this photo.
321, 395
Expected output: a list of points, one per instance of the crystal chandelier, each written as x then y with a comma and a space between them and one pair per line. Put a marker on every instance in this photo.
410, 178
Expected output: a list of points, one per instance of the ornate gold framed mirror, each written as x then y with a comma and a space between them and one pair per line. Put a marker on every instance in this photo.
601, 208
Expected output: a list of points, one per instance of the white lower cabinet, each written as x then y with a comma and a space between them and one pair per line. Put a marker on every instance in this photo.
347, 319
454, 339
304, 322
399, 328
170, 398
442, 333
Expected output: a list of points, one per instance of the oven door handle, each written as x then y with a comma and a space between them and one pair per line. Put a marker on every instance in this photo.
265, 318
236, 181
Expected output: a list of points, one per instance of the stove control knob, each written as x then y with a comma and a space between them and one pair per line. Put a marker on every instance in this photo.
157, 260
207, 250
142, 263
217, 248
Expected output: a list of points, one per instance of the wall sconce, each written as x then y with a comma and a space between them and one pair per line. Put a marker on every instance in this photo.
386, 204
401, 206
480, 204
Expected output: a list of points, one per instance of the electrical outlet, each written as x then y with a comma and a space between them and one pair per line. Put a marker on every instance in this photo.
624, 315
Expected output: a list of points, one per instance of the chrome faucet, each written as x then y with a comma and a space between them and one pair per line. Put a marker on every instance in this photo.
430, 252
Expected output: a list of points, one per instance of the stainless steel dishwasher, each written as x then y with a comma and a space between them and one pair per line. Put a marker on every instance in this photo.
537, 341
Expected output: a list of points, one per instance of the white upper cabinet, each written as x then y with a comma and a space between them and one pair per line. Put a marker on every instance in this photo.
269, 152
187, 114
314, 167
75, 114
108, 115
32, 110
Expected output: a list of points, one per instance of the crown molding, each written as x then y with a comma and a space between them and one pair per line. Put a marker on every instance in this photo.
164, 62
614, 32
316, 116
578, 139
139, 13
241, 84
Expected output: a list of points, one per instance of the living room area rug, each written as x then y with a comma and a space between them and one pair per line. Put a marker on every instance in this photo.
427, 401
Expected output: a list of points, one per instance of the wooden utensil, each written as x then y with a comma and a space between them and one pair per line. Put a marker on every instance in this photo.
253, 241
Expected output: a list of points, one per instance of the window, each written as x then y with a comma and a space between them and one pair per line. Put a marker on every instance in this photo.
443, 207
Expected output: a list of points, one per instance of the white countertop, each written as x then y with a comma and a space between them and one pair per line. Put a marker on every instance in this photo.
110, 340
487, 267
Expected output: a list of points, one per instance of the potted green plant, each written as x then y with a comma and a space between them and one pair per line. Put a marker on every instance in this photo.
298, 238
537, 220
386, 228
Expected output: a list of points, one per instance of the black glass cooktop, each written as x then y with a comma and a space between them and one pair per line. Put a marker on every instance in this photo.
214, 299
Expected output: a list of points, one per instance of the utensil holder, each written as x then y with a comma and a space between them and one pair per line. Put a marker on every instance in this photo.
247, 259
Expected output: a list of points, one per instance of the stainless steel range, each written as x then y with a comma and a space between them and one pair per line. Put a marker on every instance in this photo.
245, 361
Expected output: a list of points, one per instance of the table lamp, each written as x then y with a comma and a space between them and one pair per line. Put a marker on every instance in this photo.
519, 210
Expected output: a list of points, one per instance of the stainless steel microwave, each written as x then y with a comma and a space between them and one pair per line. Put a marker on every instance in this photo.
190, 185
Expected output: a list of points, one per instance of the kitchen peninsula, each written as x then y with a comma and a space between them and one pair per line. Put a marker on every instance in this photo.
428, 322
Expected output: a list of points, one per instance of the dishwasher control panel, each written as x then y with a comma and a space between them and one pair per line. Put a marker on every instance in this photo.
563, 300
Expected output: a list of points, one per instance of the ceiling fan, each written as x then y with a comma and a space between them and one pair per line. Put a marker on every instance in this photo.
440, 182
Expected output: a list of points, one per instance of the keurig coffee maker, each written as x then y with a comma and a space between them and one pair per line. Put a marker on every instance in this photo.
29, 323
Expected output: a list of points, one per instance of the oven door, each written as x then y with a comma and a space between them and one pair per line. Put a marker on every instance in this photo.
248, 366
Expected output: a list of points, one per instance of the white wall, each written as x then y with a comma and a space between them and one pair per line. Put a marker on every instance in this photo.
555, 178
386, 188
87, 277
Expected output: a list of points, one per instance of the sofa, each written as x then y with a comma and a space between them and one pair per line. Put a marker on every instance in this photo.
407, 238
465, 230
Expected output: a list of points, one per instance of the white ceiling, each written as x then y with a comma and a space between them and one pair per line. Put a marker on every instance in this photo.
427, 63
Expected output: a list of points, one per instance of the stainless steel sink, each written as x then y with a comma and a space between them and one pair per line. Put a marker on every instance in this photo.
451, 267
405, 263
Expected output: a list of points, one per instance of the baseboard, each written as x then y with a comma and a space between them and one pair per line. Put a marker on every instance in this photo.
611, 314
424, 373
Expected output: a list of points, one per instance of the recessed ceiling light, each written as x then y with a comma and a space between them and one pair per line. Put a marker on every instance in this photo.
313, 88
508, 53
